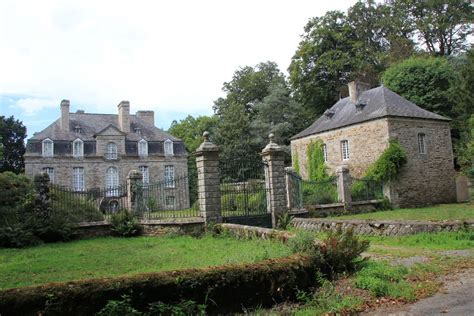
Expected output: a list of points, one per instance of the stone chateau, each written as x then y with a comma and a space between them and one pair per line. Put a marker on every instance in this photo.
357, 129
95, 151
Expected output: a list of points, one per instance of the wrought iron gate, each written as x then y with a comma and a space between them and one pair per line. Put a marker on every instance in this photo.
244, 192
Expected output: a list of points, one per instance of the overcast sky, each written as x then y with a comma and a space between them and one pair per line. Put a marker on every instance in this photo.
168, 56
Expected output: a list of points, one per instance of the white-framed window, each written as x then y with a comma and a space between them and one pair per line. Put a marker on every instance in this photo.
422, 143
170, 201
142, 148
345, 149
169, 147
78, 183
111, 181
325, 153
146, 174
111, 151
169, 176
48, 148
77, 148
50, 172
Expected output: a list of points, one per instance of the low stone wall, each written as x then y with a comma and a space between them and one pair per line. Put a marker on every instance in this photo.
358, 207
244, 231
380, 228
185, 226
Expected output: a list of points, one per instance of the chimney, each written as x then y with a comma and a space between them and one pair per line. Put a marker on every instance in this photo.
64, 123
147, 116
355, 89
124, 116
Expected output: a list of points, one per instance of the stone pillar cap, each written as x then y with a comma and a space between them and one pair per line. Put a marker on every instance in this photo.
135, 174
207, 145
342, 168
271, 146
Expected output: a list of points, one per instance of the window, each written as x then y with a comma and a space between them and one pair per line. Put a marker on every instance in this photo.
111, 181
77, 129
169, 177
50, 172
78, 148
169, 148
145, 173
422, 143
111, 151
345, 149
170, 201
143, 148
325, 153
48, 148
78, 179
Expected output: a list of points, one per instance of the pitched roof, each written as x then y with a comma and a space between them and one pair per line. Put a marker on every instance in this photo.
91, 124
372, 104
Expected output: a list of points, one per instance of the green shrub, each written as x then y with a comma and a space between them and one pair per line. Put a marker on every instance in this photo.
382, 279
75, 208
304, 242
17, 237
121, 307
341, 251
182, 308
316, 165
13, 191
319, 193
124, 224
284, 220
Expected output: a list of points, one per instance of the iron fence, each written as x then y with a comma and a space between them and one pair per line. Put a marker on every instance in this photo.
364, 190
167, 199
308, 192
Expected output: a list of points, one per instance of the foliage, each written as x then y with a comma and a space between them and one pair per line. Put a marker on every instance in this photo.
124, 224
341, 251
384, 280
425, 81
304, 242
284, 220
243, 203
442, 27
15, 236
388, 165
296, 164
316, 165
75, 208
364, 189
119, 308
12, 135
182, 308
320, 192
13, 191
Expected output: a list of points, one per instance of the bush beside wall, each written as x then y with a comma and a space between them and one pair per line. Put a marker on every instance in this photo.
224, 289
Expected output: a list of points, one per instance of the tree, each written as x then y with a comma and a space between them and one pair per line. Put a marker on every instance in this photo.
12, 133
441, 27
425, 81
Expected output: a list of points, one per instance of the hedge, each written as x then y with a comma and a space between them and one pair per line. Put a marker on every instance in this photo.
224, 289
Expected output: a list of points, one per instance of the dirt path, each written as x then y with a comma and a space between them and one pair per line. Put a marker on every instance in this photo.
455, 298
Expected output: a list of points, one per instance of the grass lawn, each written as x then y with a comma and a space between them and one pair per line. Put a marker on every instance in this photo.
106, 257
461, 211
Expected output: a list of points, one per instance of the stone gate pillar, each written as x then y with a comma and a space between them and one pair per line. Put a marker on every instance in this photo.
275, 179
209, 192
344, 186
134, 177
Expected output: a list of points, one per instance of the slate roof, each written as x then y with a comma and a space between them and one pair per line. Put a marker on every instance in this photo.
373, 104
91, 124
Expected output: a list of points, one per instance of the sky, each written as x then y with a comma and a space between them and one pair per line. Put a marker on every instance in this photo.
168, 56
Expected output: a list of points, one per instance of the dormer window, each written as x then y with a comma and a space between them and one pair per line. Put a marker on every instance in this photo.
111, 151
169, 147
137, 130
360, 106
142, 148
77, 129
48, 148
78, 148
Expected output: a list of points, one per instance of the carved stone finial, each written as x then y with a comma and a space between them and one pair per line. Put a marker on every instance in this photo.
271, 136
206, 136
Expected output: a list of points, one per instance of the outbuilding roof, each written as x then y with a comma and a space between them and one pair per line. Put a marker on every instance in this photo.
372, 104
91, 124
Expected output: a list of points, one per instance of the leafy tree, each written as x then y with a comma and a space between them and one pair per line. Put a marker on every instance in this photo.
12, 134
441, 27
278, 113
425, 81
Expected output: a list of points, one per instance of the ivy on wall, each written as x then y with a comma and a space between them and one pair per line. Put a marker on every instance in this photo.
389, 163
316, 165
296, 164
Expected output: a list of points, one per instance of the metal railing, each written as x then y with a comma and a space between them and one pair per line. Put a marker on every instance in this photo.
307, 192
364, 190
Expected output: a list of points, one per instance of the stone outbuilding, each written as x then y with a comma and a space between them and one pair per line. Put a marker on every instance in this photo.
357, 129
85, 151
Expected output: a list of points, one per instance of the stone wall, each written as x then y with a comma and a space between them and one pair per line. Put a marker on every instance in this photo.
244, 231
358, 207
380, 228
426, 178
366, 142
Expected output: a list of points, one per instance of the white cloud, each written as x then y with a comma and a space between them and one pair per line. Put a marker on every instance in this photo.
33, 106
156, 54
